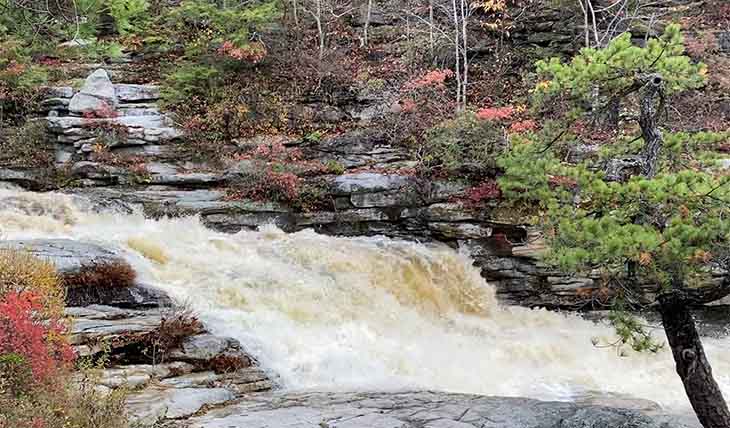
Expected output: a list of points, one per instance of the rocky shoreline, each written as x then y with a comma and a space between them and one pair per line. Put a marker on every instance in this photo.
190, 388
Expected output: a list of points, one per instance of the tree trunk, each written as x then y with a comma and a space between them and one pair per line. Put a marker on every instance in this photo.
368, 15
457, 54
465, 53
692, 365
650, 111
320, 29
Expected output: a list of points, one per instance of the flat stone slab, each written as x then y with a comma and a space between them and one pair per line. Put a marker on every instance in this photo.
418, 410
66, 254
94, 323
126, 92
367, 182
155, 404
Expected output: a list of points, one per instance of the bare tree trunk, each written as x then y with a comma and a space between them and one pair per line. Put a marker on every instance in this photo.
367, 22
431, 43
464, 44
692, 365
320, 29
457, 55
295, 6
585, 23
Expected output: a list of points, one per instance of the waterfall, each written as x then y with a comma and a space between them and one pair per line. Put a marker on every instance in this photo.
331, 313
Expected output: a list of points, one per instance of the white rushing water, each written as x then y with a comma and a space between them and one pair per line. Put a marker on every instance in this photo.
361, 313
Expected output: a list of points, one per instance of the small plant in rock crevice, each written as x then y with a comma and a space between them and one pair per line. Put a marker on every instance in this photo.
176, 324
116, 274
281, 174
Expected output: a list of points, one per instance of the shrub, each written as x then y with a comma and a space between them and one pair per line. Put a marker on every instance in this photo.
129, 15
229, 363
178, 324
19, 81
465, 143
423, 102
188, 81
27, 147
36, 386
15, 375
39, 341
64, 403
109, 274
22, 272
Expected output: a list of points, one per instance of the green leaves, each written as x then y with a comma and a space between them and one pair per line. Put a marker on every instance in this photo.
615, 68
463, 143
667, 226
129, 15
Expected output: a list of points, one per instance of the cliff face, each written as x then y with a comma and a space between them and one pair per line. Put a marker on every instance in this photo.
134, 155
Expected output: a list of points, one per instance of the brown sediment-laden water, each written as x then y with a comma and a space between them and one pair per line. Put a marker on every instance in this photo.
373, 313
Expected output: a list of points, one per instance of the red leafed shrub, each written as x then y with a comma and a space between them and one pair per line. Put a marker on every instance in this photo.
286, 183
276, 152
253, 53
485, 191
495, 113
431, 78
104, 111
25, 333
523, 126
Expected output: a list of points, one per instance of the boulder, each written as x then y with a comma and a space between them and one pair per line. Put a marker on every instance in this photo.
95, 325
139, 296
27, 178
203, 350
97, 94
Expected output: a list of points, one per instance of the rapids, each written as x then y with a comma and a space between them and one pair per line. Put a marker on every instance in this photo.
332, 313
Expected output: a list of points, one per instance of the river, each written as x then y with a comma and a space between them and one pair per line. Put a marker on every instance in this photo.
331, 313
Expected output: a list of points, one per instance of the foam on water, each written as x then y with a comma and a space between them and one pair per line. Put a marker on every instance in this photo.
361, 313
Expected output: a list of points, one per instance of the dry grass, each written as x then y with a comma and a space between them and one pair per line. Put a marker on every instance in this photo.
229, 363
64, 403
21, 271
113, 274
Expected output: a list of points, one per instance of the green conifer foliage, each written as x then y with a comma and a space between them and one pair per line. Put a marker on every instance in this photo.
650, 208
670, 224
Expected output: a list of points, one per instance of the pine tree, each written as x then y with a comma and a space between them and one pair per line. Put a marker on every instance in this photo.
650, 208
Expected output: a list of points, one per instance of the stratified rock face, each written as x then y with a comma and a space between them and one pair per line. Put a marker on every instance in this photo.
108, 115
418, 410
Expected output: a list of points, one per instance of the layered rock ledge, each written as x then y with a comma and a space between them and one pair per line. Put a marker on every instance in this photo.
420, 410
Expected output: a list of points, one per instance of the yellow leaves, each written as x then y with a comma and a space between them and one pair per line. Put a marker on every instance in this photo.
492, 5
701, 257
21, 271
645, 259
543, 85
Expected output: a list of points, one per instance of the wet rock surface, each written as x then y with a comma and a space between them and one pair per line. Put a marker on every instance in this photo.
419, 410
67, 255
